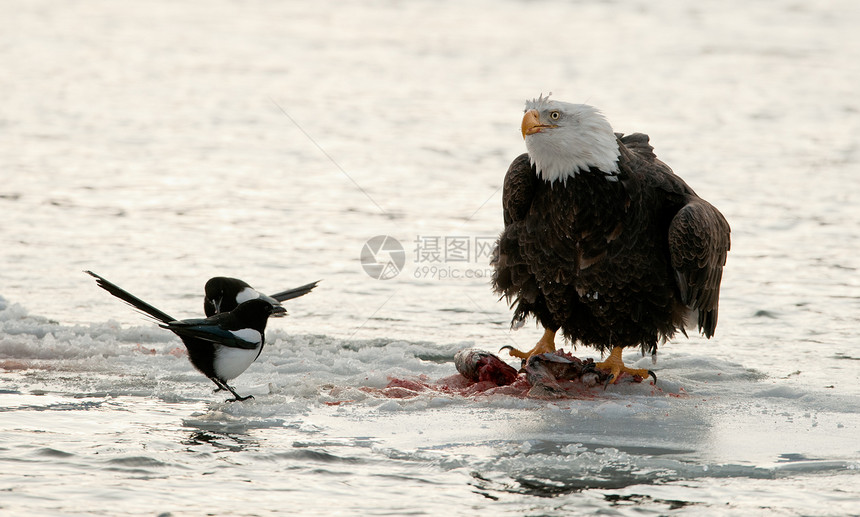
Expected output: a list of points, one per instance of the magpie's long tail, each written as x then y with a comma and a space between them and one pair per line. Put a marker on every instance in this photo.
131, 299
295, 292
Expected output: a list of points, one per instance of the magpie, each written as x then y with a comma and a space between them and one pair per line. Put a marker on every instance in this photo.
223, 294
222, 346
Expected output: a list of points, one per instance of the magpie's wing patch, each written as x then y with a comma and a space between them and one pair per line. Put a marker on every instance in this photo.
205, 330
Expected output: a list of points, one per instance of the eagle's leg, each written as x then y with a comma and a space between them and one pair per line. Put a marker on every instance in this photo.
616, 367
544, 345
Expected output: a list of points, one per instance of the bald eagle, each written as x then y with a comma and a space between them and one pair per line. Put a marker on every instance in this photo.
602, 240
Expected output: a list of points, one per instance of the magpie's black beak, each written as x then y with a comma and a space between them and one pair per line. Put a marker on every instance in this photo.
278, 310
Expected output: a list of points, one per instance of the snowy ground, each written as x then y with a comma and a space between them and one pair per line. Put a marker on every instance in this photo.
109, 400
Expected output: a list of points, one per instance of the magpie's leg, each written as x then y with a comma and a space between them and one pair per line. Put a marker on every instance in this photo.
236, 395
224, 386
217, 383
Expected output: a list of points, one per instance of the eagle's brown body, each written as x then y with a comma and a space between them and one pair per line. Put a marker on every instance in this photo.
613, 260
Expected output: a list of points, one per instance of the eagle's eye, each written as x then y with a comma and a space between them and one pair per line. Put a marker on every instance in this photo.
554, 115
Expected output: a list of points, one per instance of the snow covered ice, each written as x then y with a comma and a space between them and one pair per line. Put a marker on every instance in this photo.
124, 403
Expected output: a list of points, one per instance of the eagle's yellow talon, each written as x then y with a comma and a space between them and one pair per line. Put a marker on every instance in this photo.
544, 345
616, 367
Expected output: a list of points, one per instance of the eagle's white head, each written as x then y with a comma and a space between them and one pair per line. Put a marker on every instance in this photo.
564, 138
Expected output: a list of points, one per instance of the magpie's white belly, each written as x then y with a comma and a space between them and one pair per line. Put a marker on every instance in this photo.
231, 362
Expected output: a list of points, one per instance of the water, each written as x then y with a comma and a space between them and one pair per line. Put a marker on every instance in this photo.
161, 143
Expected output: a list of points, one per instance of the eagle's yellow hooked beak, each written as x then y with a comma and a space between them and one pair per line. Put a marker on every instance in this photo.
531, 123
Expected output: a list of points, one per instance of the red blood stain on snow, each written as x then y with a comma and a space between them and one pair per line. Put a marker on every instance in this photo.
12, 364
457, 385
144, 350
